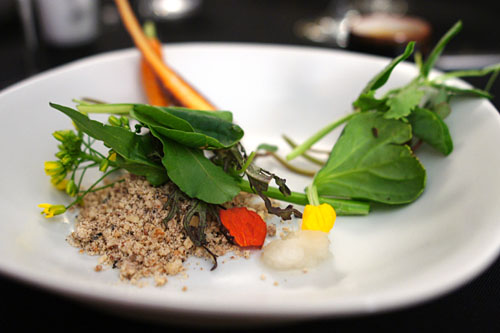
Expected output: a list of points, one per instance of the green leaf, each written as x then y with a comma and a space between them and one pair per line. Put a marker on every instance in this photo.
402, 103
368, 102
442, 109
429, 127
155, 115
196, 129
196, 175
468, 73
155, 175
473, 92
134, 149
381, 78
438, 102
369, 161
187, 114
438, 49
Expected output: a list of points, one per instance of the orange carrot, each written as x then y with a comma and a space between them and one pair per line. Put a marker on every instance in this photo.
185, 94
154, 92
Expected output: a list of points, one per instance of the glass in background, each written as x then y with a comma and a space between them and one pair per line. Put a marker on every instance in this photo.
373, 26
168, 10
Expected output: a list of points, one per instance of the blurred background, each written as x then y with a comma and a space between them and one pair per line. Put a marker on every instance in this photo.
37, 35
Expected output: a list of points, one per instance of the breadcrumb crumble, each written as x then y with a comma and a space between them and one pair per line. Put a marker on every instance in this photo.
123, 224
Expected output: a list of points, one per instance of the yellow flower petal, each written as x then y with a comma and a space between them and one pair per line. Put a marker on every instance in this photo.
51, 210
60, 184
53, 168
320, 217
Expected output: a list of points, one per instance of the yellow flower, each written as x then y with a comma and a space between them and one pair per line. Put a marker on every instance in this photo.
103, 166
51, 210
53, 168
62, 135
320, 217
112, 157
60, 184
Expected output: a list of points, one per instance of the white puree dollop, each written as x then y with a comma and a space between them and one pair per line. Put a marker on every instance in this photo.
297, 250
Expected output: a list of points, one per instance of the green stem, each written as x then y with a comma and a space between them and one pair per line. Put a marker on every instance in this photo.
301, 149
106, 186
291, 167
341, 206
308, 157
312, 195
91, 157
247, 163
80, 197
92, 150
82, 175
149, 29
492, 79
123, 109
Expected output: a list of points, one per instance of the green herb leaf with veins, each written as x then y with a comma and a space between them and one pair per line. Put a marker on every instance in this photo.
372, 160
172, 143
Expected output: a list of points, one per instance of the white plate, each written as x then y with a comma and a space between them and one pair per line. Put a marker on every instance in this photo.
389, 259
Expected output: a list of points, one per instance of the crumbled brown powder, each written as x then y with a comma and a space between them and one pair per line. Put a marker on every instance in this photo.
271, 230
123, 225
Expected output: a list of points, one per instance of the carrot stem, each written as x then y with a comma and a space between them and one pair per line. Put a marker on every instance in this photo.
152, 87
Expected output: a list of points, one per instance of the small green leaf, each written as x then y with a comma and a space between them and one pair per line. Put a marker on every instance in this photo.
438, 49
368, 102
267, 147
381, 78
402, 103
187, 114
369, 161
468, 73
136, 150
442, 109
429, 127
438, 102
196, 129
473, 92
196, 175
155, 175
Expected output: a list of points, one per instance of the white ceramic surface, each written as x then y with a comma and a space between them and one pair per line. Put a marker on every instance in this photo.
389, 259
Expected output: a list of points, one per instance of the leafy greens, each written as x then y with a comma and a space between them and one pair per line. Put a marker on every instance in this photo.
373, 158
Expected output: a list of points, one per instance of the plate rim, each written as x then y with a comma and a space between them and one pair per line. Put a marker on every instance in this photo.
438, 289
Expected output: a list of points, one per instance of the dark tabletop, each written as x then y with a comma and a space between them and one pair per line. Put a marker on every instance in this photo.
473, 307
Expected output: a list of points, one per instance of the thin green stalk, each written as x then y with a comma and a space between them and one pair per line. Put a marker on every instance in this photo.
81, 176
341, 206
312, 195
308, 157
492, 79
301, 149
80, 197
149, 29
106, 186
123, 109
438, 49
92, 150
468, 73
248, 162
91, 157
291, 167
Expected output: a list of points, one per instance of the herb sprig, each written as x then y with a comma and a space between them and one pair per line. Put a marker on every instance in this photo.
199, 151
374, 157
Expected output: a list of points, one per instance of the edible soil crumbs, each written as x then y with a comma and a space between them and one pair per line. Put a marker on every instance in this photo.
123, 224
